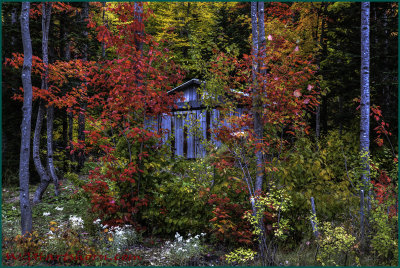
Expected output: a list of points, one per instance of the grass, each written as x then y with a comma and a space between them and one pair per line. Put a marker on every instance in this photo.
52, 216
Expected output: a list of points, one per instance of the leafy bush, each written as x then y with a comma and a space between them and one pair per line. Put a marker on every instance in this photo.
74, 178
337, 246
326, 174
121, 188
229, 201
384, 235
178, 203
240, 255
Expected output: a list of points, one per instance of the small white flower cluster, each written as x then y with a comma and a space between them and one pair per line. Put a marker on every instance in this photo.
76, 221
97, 222
181, 250
121, 237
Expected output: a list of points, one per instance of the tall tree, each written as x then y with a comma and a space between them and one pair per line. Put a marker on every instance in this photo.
258, 126
50, 108
365, 92
256, 96
259, 52
83, 104
103, 44
44, 176
26, 212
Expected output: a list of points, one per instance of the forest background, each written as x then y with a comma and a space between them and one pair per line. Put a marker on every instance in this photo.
100, 69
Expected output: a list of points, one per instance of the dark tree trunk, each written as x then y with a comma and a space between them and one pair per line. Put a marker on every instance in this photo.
324, 114
81, 135
70, 115
26, 212
70, 135
50, 109
13, 22
322, 55
64, 113
50, 151
317, 122
340, 100
103, 44
65, 137
83, 104
44, 176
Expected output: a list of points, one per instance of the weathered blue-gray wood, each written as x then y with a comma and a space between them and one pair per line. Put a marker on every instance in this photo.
166, 127
190, 126
215, 123
203, 139
179, 133
190, 134
190, 94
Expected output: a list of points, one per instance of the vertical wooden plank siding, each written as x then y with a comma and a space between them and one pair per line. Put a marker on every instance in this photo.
179, 133
173, 133
189, 130
166, 127
215, 122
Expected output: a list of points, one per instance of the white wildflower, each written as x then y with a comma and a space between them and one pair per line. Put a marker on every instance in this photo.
59, 209
14, 208
76, 221
46, 213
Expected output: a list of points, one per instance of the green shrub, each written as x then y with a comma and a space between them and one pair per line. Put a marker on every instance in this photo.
178, 203
384, 235
307, 172
240, 255
336, 246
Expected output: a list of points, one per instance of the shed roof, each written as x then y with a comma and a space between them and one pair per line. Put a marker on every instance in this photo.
181, 87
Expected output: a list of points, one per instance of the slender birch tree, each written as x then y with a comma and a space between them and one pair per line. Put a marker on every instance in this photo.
26, 212
365, 110
50, 108
257, 116
44, 176
365, 94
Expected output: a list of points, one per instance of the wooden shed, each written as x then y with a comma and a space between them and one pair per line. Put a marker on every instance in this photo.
190, 123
